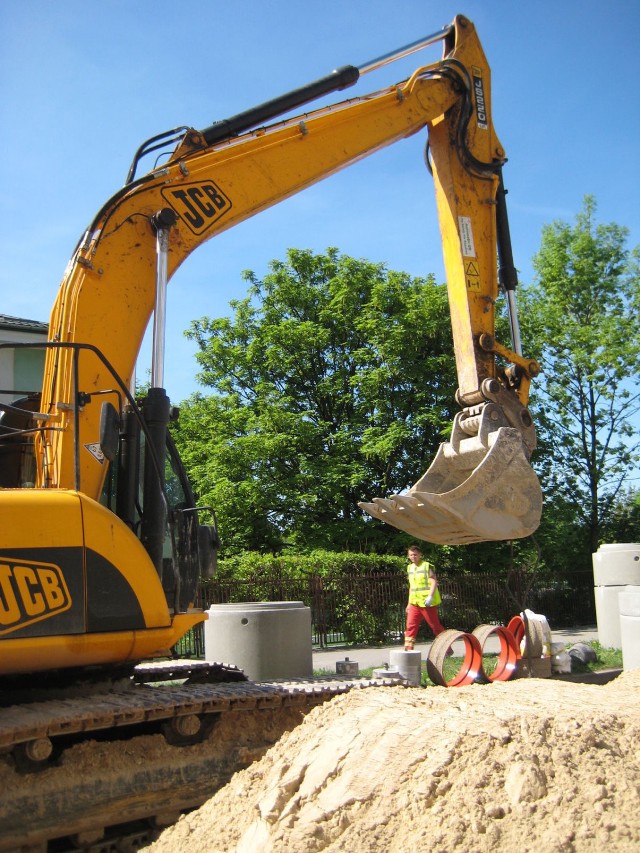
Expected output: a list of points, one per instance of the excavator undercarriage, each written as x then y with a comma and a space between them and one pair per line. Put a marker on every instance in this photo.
108, 770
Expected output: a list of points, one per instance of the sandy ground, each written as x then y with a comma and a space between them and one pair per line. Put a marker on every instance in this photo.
533, 764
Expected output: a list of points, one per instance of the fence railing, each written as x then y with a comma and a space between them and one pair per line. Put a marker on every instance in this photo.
353, 610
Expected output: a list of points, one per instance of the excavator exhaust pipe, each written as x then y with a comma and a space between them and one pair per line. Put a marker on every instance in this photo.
479, 487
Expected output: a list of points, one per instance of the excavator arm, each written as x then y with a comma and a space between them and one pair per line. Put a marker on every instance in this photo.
481, 485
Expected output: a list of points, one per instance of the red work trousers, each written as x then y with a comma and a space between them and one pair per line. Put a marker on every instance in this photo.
415, 615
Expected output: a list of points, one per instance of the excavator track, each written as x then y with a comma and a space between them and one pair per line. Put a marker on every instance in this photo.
125, 763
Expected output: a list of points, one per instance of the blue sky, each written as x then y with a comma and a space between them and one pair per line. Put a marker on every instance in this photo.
84, 84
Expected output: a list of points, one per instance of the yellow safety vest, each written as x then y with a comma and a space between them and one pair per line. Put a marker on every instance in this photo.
419, 584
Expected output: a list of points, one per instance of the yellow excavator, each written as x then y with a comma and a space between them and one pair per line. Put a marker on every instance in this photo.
102, 542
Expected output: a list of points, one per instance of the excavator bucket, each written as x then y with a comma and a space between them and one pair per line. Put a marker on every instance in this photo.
479, 488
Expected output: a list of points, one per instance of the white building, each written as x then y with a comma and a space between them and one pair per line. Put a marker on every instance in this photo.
20, 369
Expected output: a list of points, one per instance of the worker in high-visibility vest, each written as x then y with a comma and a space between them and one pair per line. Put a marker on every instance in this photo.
424, 597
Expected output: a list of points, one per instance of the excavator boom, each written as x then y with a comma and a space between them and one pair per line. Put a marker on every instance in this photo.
232, 170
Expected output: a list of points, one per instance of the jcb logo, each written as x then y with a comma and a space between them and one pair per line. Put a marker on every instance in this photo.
198, 205
30, 592
481, 103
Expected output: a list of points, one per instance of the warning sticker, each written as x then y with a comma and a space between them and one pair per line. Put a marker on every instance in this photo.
96, 451
472, 275
466, 237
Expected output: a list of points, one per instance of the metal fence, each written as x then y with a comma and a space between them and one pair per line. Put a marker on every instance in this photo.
371, 609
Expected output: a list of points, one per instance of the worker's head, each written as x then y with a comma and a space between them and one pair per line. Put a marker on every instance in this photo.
414, 554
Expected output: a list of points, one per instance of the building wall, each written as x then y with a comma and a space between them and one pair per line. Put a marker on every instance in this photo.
20, 369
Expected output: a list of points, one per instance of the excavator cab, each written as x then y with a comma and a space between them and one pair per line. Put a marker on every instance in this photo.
145, 484
159, 506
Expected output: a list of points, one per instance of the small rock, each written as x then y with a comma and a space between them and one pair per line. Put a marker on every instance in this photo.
525, 782
582, 652
496, 812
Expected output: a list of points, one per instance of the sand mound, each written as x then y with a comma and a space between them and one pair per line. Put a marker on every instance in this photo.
537, 764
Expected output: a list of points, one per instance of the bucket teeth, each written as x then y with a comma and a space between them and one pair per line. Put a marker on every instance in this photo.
471, 493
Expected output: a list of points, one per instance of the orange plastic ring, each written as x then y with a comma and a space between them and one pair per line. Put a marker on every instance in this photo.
471, 667
509, 650
517, 628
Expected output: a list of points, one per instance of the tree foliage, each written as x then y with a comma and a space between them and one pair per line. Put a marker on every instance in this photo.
623, 522
332, 382
582, 318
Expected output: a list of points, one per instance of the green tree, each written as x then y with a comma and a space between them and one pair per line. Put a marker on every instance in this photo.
623, 522
582, 315
332, 382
